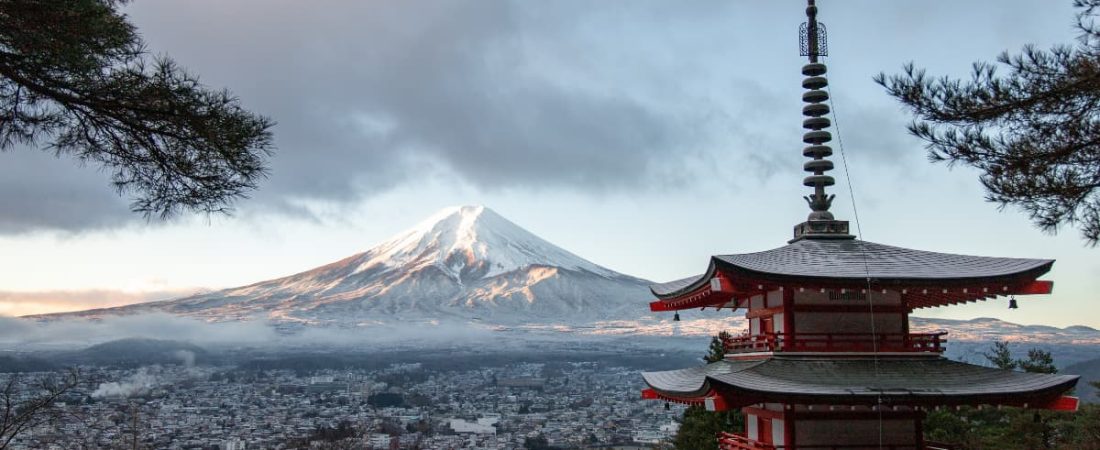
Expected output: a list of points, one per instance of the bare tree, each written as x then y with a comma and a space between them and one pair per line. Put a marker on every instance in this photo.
28, 402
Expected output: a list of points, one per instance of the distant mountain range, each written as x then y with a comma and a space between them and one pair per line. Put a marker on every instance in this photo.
967, 340
466, 263
1090, 372
989, 329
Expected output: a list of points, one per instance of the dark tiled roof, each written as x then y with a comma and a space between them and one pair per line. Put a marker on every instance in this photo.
676, 286
693, 381
855, 259
927, 380
850, 259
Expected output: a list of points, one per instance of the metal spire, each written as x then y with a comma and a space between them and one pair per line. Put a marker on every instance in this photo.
812, 36
820, 223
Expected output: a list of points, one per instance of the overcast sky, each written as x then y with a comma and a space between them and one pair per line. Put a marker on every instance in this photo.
644, 136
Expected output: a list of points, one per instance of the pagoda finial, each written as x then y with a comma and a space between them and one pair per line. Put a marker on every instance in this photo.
813, 42
820, 223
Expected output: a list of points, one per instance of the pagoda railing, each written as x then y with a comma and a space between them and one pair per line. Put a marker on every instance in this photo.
836, 342
731, 441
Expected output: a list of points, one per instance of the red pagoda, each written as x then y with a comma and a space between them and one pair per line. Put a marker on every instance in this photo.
828, 361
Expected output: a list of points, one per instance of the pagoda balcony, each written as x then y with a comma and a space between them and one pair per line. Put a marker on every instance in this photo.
837, 342
731, 441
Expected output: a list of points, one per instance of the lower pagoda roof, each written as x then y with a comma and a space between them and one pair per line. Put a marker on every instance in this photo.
922, 381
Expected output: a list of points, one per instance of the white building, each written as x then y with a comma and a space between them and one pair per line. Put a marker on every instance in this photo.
462, 426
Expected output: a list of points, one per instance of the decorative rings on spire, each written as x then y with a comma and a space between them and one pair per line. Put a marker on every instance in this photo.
817, 138
820, 224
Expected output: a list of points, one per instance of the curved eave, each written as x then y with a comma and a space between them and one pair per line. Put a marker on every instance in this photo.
681, 384
691, 385
684, 285
848, 260
707, 290
961, 278
1037, 399
912, 382
1009, 278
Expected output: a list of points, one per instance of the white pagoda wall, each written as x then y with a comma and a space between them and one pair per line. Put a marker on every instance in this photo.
775, 299
778, 432
777, 322
756, 302
751, 430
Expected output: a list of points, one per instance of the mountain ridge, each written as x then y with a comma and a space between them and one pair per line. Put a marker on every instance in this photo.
469, 265
465, 262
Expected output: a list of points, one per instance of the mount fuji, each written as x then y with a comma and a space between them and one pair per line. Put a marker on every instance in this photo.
469, 267
466, 263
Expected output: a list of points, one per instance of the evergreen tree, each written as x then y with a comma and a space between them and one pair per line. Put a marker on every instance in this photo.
1038, 361
717, 350
699, 428
1000, 357
1079, 430
1016, 428
1034, 133
76, 79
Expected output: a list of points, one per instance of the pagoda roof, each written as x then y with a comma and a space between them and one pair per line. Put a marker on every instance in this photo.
834, 261
927, 381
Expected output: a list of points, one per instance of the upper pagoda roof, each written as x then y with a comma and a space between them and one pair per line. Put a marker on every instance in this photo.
899, 381
850, 260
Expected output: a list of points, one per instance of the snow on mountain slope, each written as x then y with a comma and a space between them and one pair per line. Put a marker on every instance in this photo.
464, 263
472, 241
470, 264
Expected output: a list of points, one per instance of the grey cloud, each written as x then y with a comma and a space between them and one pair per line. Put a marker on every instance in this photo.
38, 190
863, 136
369, 95
589, 96
372, 95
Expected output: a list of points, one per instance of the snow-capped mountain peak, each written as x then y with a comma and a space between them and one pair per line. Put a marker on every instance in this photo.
463, 262
472, 242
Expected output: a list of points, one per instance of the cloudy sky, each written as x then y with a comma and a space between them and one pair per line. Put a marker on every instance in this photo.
644, 136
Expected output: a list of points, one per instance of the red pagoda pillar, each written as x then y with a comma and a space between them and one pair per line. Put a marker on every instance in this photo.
828, 361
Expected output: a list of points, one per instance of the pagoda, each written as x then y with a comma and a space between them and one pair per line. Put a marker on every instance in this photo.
828, 360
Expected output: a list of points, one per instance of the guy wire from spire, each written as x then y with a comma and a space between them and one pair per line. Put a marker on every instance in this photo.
863, 254
814, 48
